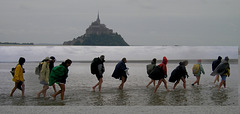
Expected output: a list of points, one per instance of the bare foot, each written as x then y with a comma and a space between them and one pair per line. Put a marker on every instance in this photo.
120, 87
38, 95
54, 96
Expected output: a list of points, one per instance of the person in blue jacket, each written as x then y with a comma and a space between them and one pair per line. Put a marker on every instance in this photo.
121, 72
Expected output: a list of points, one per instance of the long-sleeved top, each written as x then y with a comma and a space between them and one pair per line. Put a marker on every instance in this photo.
120, 70
58, 73
201, 70
18, 75
45, 72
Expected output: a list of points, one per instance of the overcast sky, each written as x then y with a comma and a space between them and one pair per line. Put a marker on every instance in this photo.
140, 22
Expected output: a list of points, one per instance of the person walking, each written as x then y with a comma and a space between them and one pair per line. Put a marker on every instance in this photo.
97, 68
225, 73
163, 65
150, 68
44, 77
18, 77
59, 75
214, 66
197, 70
51, 65
179, 73
159, 73
121, 72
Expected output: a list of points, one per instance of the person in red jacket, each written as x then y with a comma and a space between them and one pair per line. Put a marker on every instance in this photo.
163, 65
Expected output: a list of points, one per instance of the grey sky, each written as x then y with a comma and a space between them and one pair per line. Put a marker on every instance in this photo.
140, 22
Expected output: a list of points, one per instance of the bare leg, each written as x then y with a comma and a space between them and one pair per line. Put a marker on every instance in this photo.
99, 84
220, 85
122, 84
150, 83
165, 84
54, 88
154, 83
184, 83
23, 89
224, 84
197, 80
159, 83
43, 91
62, 86
216, 79
13, 90
176, 84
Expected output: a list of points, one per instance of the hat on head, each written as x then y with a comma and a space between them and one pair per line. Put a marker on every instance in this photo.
199, 60
165, 60
226, 58
46, 59
52, 58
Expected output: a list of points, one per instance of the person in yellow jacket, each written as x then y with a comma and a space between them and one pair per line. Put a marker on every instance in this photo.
18, 77
225, 73
44, 77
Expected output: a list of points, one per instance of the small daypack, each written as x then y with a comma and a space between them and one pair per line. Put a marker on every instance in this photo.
12, 71
195, 68
38, 68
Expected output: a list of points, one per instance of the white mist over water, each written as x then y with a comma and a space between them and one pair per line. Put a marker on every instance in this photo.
87, 53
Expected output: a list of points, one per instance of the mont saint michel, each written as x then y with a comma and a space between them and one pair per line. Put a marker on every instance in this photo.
98, 34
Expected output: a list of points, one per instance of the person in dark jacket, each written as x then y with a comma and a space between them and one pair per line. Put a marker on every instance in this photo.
150, 68
214, 66
121, 72
99, 72
161, 75
225, 73
179, 73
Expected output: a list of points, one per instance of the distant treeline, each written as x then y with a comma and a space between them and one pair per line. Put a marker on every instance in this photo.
14, 43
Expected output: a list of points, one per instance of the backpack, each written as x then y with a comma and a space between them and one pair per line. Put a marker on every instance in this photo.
38, 68
195, 68
94, 66
150, 67
12, 71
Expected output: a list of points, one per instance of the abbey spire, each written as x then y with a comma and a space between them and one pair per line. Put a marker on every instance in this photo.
98, 19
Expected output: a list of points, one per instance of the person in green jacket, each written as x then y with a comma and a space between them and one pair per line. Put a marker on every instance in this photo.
198, 75
59, 75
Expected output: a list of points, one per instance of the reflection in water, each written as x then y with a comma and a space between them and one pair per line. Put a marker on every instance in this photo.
219, 97
122, 98
98, 99
19, 101
197, 96
178, 97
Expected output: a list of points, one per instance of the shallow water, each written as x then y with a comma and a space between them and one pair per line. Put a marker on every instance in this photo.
79, 93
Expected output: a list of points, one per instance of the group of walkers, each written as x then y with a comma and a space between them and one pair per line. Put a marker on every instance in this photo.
159, 72
49, 75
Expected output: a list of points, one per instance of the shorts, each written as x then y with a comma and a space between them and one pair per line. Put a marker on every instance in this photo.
99, 76
62, 81
19, 85
223, 78
43, 83
124, 77
196, 75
